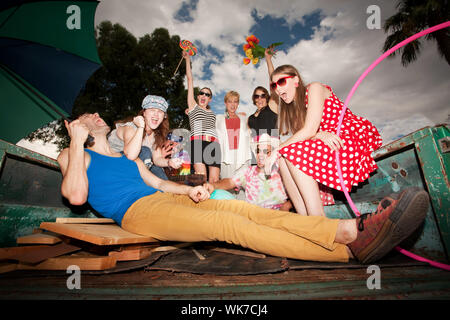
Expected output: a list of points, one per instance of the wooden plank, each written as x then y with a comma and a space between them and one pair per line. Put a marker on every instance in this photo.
170, 248
41, 254
100, 234
84, 220
5, 253
7, 267
241, 253
130, 254
39, 238
83, 262
198, 254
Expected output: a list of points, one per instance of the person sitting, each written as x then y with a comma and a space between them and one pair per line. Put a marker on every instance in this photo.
263, 190
141, 203
145, 137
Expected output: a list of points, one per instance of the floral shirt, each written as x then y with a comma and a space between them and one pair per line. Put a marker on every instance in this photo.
266, 192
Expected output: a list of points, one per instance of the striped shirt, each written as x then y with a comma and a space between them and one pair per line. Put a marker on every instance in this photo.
202, 122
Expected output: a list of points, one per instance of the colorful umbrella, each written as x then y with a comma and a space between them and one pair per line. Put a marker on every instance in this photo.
47, 53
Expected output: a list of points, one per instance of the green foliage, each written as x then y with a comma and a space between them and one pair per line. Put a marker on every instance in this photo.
131, 69
412, 17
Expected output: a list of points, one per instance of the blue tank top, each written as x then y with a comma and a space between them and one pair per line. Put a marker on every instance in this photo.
114, 185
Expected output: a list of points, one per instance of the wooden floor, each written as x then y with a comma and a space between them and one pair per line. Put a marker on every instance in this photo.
396, 283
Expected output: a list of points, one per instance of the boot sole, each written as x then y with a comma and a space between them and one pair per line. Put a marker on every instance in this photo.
407, 216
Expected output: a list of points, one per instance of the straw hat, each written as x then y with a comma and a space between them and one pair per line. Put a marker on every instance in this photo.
265, 139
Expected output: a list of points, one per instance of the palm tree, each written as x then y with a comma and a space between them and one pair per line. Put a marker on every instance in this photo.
412, 17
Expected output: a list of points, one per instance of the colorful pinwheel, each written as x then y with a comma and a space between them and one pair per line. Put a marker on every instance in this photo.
189, 47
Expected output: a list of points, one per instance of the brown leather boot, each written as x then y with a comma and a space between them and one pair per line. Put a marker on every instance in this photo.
397, 216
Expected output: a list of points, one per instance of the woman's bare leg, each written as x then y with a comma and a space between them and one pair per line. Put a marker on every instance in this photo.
309, 189
200, 168
291, 188
214, 174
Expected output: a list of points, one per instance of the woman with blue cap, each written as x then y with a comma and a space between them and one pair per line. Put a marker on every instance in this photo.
145, 137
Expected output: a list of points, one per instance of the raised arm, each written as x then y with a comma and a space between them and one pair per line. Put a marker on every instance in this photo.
132, 137
190, 80
73, 162
268, 55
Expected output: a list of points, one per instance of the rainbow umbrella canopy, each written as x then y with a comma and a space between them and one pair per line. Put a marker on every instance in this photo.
47, 53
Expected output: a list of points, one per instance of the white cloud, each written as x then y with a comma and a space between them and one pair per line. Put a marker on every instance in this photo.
396, 129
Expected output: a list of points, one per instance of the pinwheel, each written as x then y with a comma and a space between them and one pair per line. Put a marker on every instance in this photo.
189, 47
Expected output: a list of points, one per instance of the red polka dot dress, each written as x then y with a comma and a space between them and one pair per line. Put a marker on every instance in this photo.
317, 160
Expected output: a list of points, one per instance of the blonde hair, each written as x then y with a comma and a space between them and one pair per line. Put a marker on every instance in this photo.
291, 117
231, 94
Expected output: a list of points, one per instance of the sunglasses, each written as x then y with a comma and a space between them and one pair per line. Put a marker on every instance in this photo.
262, 96
280, 83
201, 93
264, 151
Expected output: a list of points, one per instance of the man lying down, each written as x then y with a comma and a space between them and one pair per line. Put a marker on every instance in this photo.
141, 203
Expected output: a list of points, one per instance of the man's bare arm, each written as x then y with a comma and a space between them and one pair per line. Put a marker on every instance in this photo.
73, 164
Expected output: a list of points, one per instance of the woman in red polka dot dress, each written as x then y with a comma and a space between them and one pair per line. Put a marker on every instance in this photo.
311, 114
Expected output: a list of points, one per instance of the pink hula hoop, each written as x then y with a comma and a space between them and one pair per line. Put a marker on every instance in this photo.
341, 118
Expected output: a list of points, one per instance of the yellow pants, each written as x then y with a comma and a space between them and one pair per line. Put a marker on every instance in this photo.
170, 217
